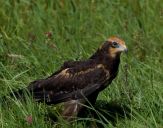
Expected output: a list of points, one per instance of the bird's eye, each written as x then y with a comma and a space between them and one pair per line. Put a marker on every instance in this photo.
114, 44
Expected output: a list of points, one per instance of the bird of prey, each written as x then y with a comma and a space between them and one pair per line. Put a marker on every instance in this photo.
77, 82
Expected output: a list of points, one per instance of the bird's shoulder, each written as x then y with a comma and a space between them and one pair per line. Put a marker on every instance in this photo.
75, 66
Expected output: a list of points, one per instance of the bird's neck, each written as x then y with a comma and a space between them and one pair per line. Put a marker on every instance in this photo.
110, 62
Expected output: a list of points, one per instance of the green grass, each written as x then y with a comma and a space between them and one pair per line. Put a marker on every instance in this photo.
78, 28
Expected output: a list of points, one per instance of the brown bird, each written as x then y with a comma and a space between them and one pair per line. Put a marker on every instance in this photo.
77, 82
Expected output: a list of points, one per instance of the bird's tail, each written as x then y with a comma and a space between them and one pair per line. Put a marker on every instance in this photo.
19, 94
31, 91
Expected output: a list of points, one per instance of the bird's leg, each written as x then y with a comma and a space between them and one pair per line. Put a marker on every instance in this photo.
74, 107
92, 98
71, 109
91, 102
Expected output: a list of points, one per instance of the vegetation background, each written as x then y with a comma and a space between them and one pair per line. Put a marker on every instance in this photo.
37, 36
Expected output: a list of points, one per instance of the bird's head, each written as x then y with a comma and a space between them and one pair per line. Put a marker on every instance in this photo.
114, 46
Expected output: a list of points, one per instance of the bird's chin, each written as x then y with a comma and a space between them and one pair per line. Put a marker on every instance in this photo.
114, 55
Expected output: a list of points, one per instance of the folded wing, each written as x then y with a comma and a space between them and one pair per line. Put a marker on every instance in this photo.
70, 83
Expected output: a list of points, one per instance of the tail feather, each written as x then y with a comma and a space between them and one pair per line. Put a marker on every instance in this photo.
19, 94
32, 90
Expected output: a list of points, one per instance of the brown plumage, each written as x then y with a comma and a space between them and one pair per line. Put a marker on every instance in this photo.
77, 81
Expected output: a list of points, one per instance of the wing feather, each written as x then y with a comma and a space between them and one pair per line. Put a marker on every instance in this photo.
74, 95
69, 83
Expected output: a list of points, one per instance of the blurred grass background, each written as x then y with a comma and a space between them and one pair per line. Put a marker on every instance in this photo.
37, 36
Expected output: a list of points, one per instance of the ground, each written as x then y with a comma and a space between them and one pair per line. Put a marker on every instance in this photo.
36, 37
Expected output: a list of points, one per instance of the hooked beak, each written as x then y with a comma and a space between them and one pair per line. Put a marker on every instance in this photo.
126, 50
123, 48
